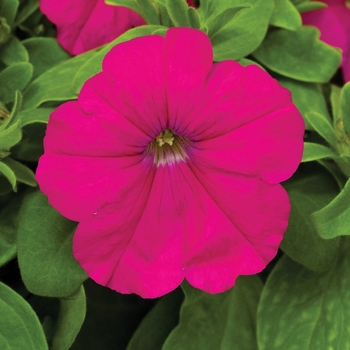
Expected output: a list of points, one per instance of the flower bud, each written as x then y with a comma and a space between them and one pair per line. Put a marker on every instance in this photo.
5, 30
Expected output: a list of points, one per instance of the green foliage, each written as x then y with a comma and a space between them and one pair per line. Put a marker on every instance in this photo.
145, 8
12, 78
8, 228
308, 97
158, 323
19, 325
315, 151
13, 51
299, 54
70, 320
309, 190
334, 219
304, 310
8, 10
285, 15
45, 245
344, 107
55, 84
44, 54
249, 26
310, 6
219, 321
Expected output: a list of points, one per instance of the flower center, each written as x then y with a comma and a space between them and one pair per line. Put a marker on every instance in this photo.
347, 4
168, 148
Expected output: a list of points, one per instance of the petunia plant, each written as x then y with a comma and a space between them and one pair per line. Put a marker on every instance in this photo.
174, 174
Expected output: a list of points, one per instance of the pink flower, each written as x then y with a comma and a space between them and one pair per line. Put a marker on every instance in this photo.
171, 165
334, 24
83, 25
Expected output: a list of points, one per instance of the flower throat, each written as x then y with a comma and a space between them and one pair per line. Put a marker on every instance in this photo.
168, 148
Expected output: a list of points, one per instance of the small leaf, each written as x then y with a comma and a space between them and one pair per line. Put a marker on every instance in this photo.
70, 320
249, 28
60, 274
322, 125
35, 115
310, 189
11, 136
13, 51
299, 54
23, 174
285, 15
144, 8
12, 78
315, 151
218, 321
26, 9
193, 18
44, 54
178, 12
344, 106
93, 65
9, 174
8, 10
56, 83
335, 102
158, 323
310, 6
19, 325
16, 107
304, 310
334, 219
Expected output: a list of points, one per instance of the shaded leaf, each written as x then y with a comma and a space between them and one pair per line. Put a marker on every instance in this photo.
23, 174
13, 51
285, 15
60, 274
19, 325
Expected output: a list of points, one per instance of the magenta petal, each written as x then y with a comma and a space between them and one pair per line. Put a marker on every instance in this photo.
83, 25
187, 64
133, 83
83, 184
268, 148
244, 226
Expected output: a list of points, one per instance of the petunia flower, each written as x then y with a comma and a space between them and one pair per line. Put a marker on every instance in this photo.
171, 164
334, 24
83, 25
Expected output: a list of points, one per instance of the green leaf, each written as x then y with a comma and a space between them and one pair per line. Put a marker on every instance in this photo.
12, 78
249, 27
315, 151
214, 24
144, 8
26, 9
334, 219
10, 136
322, 125
218, 321
44, 54
13, 51
310, 189
9, 174
193, 18
285, 15
158, 323
299, 54
8, 10
335, 102
344, 106
70, 320
310, 6
16, 107
93, 65
8, 228
177, 10
60, 274
307, 97
35, 115
56, 83
304, 310
23, 174
19, 325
